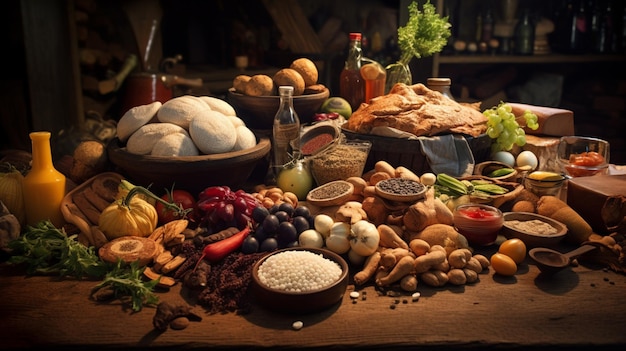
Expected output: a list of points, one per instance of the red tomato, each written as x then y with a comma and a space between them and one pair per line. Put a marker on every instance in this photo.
181, 198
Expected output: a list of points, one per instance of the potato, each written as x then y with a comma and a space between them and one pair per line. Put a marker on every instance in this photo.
290, 77
307, 70
240, 82
260, 85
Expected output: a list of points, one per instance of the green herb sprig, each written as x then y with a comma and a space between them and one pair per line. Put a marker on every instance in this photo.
424, 34
125, 280
47, 250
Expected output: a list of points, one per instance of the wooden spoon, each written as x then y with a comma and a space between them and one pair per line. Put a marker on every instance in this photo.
550, 261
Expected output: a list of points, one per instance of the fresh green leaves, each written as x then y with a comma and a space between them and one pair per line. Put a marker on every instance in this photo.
125, 280
425, 33
44, 249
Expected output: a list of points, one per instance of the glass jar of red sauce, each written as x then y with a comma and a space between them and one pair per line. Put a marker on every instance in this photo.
478, 223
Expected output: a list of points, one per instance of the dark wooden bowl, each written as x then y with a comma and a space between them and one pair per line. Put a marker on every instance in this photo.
191, 173
258, 111
307, 302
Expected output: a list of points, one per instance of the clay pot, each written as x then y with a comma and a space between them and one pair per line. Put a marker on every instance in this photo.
145, 88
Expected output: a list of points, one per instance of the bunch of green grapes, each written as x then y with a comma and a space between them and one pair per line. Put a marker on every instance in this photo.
504, 129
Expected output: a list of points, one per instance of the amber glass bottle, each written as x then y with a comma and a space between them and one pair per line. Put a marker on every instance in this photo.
351, 83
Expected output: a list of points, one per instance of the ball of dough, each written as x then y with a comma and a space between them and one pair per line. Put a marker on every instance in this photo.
142, 141
245, 138
181, 110
135, 118
219, 105
212, 133
177, 144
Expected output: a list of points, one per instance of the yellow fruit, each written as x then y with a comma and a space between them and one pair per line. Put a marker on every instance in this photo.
543, 175
514, 248
503, 264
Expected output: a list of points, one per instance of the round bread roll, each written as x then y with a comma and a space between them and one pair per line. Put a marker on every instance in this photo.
181, 110
245, 138
213, 133
288, 76
142, 141
219, 105
176, 144
259, 85
239, 83
135, 118
129, 249
307, 70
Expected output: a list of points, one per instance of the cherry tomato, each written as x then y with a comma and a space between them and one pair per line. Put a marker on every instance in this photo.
503, 264
587, 159
514, 248
180, 197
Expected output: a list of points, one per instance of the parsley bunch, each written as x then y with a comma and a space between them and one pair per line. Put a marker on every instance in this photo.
424, 34
45, 250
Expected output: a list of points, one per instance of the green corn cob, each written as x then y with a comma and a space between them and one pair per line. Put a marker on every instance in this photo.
451, 183
501, 172
491, 189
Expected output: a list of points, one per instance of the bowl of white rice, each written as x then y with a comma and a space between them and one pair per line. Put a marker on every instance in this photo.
299, 280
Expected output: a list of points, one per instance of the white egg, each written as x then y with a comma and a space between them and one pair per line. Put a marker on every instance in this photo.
504, 157
527, 160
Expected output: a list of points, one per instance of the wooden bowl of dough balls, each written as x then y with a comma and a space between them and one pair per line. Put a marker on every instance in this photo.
256, 100
188, 142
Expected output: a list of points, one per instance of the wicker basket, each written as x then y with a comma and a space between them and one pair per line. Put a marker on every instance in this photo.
408, 153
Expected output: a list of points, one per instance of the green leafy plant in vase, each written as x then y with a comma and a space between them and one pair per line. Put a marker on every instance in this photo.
424, 34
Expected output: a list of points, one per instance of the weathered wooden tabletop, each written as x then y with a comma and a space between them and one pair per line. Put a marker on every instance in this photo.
579, 308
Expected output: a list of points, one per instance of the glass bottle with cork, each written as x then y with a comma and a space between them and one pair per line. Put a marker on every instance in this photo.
351, 83
286, 130
44, 185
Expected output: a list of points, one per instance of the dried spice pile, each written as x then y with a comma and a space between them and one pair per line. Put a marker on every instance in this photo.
227, 284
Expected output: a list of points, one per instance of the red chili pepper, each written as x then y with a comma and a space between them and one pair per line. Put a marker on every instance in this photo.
217, 251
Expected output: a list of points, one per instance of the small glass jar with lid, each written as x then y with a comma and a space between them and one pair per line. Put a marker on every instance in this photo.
441, 85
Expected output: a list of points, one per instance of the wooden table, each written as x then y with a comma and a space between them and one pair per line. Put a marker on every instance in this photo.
579, 308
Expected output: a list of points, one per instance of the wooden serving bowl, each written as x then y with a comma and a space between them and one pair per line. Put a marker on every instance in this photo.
191, 173
258, 111
304, 302
529, 238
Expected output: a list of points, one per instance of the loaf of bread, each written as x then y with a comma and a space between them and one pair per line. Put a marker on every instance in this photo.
418, 110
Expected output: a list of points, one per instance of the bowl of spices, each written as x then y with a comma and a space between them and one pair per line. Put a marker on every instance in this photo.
299, 280
533, 229
400, 189
318, 138
330, 194
344, 159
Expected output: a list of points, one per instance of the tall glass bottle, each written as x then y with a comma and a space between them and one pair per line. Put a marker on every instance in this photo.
351, 84
286, 130
43, 186
524, 35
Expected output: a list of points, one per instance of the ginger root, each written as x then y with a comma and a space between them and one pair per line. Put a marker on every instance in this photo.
167, 312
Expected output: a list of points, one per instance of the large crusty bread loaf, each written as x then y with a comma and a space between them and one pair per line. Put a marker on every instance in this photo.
418, 110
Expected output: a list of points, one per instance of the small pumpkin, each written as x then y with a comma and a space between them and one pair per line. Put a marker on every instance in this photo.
132, 215
11, 192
